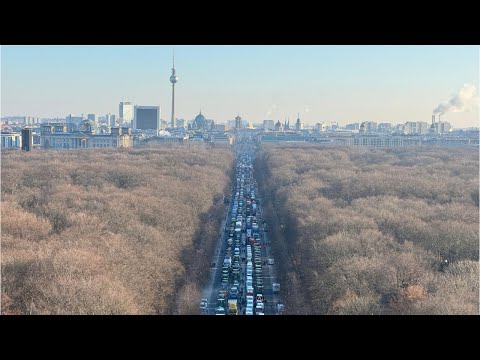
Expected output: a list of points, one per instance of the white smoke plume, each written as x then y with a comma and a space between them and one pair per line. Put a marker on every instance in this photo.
465, 100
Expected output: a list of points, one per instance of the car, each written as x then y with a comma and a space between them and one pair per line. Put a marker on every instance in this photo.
259, 310
204, 304
220, 310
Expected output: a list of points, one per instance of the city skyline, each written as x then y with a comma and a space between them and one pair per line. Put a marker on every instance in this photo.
344, 84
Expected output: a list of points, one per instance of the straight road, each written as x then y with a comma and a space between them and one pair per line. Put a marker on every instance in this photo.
241, 215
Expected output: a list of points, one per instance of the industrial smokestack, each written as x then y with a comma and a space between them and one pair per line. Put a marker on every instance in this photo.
433, 119
439, 116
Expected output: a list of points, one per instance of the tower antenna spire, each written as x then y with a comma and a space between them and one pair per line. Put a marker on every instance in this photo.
173, 80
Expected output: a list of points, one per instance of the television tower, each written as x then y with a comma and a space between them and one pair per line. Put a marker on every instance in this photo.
173, 80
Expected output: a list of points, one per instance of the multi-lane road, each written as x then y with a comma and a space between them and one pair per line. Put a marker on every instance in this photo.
243, 274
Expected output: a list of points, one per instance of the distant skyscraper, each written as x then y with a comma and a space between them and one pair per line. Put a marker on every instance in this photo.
92, 117
238, 122
173, 80
125, 113
110, 119
147, 118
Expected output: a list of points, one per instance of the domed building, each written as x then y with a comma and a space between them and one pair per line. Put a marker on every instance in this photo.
199, 122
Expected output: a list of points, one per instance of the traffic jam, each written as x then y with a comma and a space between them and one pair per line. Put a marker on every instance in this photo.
244, 254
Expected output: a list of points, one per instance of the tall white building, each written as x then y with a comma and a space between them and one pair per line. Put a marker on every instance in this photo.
125, 113
110, 119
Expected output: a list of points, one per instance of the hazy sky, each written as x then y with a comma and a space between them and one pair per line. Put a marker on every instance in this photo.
324, 83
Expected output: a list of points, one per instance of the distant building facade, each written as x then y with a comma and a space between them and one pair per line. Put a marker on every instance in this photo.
11, 140
74, 119
222, 139
268, 125
57, 137
125, 113
221, 127
110, 120
443, 127
181, 123
354, 126
27, 139
384, 128
416, 127
146, 118
370, 127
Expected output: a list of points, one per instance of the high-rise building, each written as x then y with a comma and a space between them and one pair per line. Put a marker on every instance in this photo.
110, 119
146, 118
92, 117
173, 80
238, 122
125, 113
27, 139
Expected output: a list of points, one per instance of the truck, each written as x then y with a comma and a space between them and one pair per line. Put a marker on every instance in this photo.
232, 307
